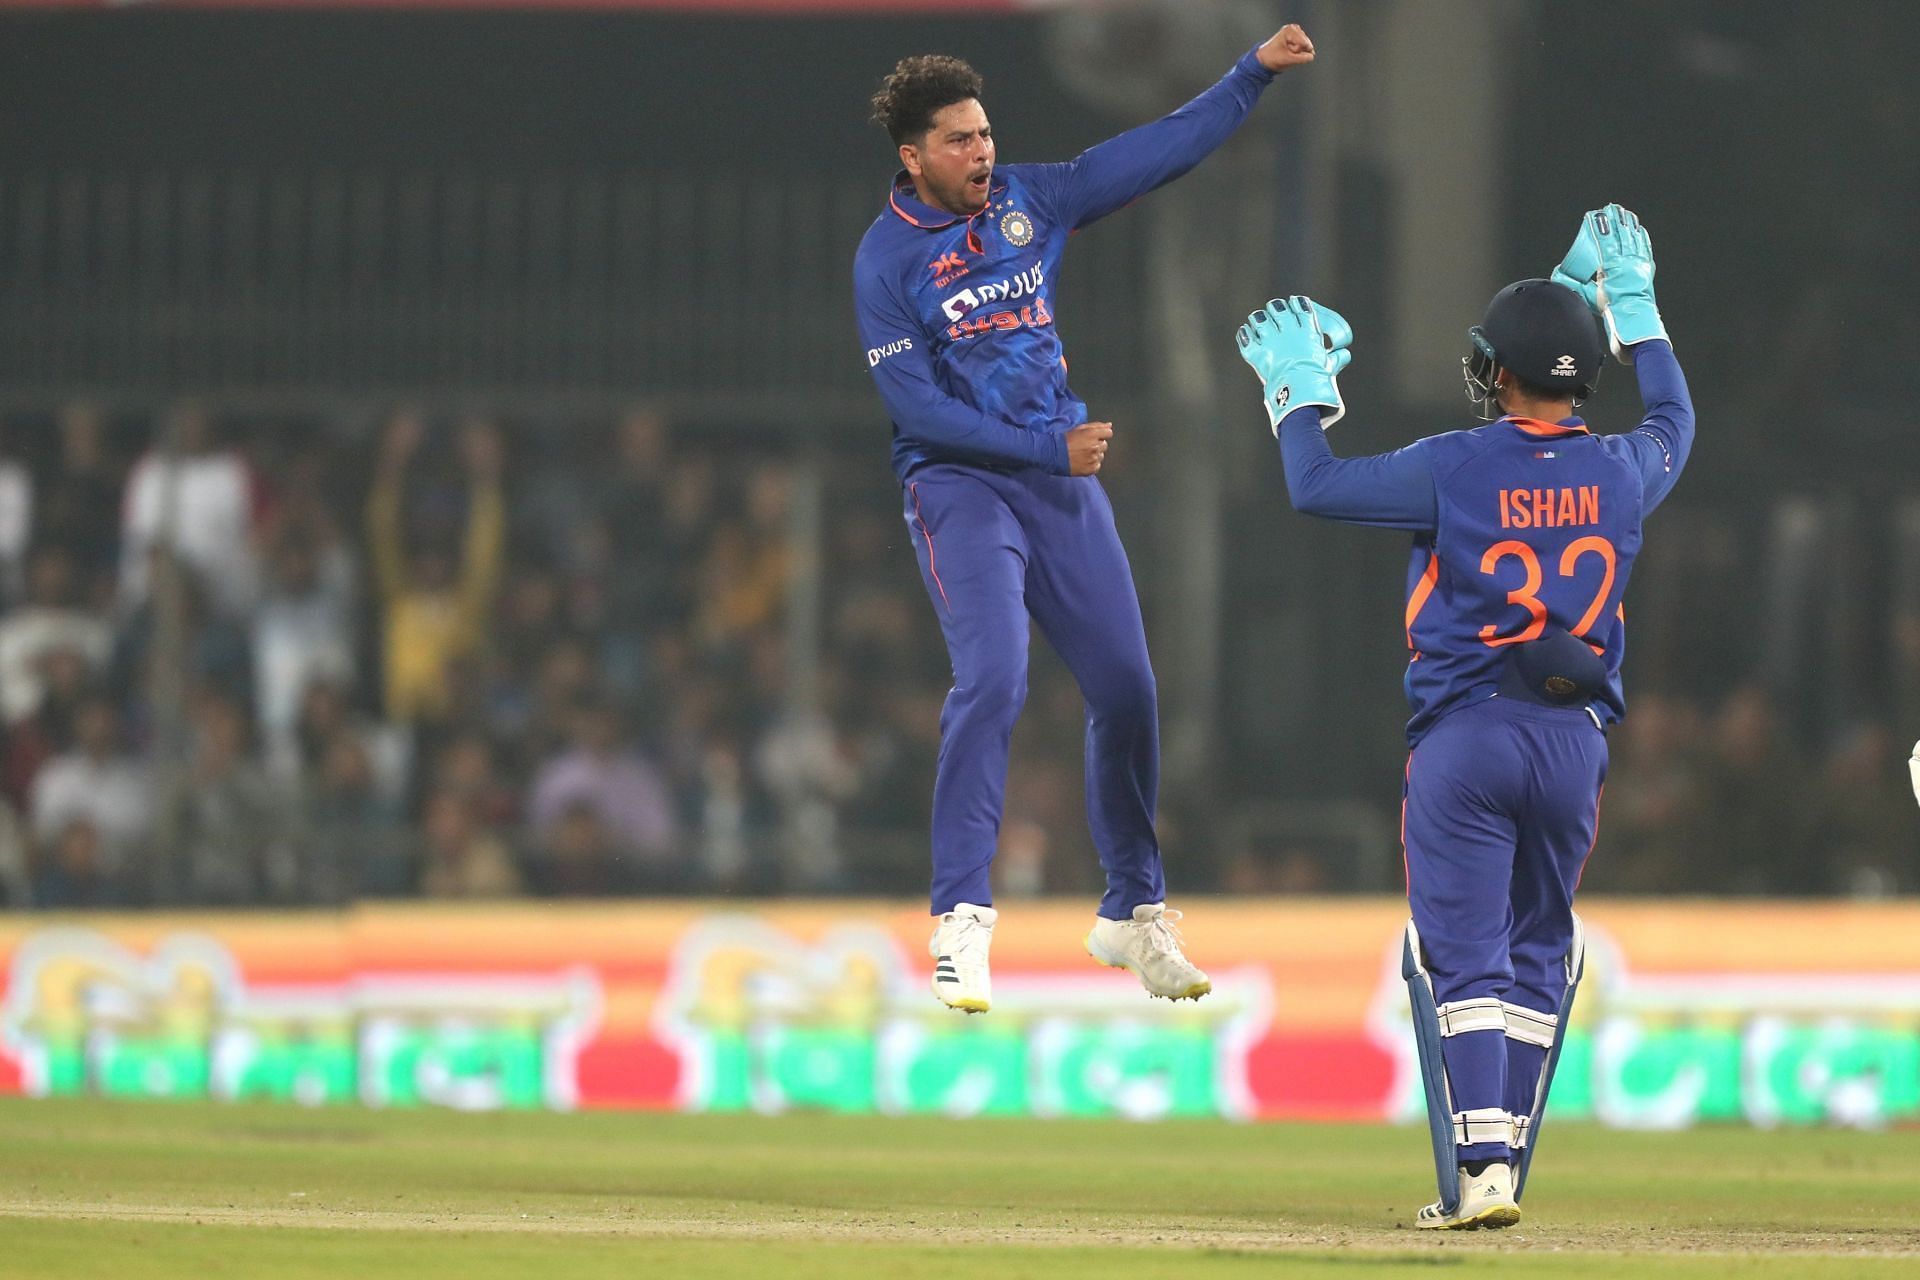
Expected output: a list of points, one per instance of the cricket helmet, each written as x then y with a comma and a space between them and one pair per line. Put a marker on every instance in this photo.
1540, 331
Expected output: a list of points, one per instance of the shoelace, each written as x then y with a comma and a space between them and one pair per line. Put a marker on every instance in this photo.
1162, 936
970, 935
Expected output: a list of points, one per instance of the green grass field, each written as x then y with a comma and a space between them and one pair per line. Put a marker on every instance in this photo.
134, 1190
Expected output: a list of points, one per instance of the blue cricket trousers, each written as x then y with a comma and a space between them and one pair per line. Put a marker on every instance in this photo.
1502, 803
996, 548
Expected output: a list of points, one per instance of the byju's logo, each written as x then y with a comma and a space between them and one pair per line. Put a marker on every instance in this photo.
876, 354
977, 296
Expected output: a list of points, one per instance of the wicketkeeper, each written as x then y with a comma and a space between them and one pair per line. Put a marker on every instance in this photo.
1524, 536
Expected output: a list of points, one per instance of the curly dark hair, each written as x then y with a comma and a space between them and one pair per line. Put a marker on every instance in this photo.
918, 88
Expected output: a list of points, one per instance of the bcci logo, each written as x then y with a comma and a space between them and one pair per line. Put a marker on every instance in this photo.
1017, 227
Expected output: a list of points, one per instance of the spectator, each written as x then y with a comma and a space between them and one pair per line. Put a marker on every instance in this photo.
348, 825
231, 820
744, 575
640, 505
16, 863
689, 519
1757, 798
190, 495
99, 784
49, 731
217, 649
466, 768
579, 857
80, 510
461, 858
302, 633
725, 856
1652, 814
16, 524
564, 679
643, 573
53, 618
633, 497
74, 874
325, 716
625, 795
435, 602
810, 764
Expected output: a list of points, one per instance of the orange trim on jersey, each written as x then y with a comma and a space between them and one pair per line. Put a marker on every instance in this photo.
1421, 591
893, 199
1536, 427
973, 239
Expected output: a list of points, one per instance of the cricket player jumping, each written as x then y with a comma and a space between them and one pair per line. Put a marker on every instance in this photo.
1525, 532
998, 464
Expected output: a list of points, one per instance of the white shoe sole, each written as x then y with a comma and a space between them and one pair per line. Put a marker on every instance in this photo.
1493, 1219
966, 1004
1193, 992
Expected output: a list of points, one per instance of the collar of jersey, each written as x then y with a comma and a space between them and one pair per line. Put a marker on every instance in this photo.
903, 202
1535, 427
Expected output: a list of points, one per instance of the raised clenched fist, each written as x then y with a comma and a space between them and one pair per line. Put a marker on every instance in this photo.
1289, 47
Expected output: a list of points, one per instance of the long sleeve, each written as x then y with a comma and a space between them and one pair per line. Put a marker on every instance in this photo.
1124, 168
1389, 490
901, 361
1663, 441
480, 565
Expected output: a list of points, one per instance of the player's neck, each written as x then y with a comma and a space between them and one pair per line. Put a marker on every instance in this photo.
924, 194
1514, 405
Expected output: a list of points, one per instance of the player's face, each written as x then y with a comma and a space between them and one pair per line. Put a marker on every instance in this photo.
954, 161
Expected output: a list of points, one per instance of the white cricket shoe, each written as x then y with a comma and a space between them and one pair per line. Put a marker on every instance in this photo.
1149, 946
959, 951
1486, 1201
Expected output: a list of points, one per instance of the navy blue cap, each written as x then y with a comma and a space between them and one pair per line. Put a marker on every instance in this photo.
1558, 669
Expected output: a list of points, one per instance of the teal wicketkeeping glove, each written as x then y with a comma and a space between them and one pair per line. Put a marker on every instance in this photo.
1611, 265
1298, 348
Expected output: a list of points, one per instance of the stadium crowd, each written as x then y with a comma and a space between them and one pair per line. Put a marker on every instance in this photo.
262, 660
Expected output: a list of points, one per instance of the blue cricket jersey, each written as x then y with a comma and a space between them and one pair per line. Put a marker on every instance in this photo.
957, 313
1517, 525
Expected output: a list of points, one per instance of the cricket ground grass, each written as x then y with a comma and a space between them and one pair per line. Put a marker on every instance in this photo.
127, 1191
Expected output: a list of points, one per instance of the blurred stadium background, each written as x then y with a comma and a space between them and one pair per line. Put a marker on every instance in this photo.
436, 462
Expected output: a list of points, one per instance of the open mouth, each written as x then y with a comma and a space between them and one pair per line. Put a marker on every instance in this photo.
978, 183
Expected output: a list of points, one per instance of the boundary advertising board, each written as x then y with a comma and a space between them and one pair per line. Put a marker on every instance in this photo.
1758, 1012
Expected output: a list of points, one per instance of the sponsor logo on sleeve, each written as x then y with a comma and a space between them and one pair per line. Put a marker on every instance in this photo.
876, 354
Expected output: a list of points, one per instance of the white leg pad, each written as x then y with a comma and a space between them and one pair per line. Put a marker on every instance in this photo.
1522, 1125
1483, 1014
1530, 1026
1483, 1124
